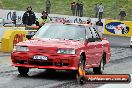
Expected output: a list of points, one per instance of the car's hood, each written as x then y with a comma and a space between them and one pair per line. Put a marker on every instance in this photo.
58, 43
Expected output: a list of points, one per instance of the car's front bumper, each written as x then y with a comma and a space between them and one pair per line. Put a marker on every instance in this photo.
46, 67
58, 61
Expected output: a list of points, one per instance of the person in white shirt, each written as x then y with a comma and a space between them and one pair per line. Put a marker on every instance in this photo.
101, 10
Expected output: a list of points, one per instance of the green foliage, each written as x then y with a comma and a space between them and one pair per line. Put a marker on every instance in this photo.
112, 7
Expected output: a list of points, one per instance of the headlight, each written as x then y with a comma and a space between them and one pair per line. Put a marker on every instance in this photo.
21, 48
66, 51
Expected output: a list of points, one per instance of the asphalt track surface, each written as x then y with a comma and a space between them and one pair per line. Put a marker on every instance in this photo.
121, 63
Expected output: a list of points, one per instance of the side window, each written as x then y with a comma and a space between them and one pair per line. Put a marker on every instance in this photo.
89, 33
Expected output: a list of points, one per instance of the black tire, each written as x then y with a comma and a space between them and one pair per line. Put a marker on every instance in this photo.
50, 70
99, 70
82, 62
130, 46
74, 73
23, 70
81, 80
81, 65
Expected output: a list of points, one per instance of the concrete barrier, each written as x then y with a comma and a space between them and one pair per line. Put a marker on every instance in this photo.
11, 38
2, 30
1, 22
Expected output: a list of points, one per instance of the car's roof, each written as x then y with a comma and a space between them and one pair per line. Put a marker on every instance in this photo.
78, 24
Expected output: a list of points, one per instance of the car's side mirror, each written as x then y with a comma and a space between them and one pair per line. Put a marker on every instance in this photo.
29, 36
91, 39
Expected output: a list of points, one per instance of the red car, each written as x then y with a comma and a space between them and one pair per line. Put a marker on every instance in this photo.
58, 46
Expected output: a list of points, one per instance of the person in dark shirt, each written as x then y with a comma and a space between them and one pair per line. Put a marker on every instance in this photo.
73, 8
77, 8
96, 10
29, 17
81, 9
122, 15
14, 18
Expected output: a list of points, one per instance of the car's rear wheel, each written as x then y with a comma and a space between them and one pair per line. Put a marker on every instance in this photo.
99, 70
23, 70
130, 46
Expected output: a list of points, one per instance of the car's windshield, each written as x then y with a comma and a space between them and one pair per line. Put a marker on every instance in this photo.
61, 31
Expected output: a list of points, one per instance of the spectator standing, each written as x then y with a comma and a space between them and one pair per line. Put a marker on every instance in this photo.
81, 9
73, 7
96, 10
101, 10
48, 6
77, 8
99, 25
43, 19
29, 17
122, 14
14, 18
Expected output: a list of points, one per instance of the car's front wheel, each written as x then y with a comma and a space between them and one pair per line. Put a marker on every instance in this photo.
99, 70
81, 67
81, 80
50, 70
23, 70
82, 62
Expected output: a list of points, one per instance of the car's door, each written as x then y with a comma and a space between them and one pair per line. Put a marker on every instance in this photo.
98, 46
90, 48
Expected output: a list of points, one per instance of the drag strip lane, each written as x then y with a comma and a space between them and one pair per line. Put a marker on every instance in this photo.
121, 61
